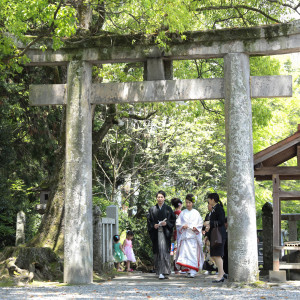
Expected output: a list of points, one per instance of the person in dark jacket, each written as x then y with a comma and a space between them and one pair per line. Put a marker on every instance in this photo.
217, 218
225, 257
209, 265
161, 221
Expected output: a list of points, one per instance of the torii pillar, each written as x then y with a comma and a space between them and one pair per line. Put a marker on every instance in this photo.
242, 252
78, 239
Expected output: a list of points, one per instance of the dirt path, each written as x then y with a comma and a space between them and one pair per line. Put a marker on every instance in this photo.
147, 286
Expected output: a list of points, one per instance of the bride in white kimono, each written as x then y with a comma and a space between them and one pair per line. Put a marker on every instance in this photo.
189, 227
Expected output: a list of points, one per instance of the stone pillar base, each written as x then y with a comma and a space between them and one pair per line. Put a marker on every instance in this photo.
277, 276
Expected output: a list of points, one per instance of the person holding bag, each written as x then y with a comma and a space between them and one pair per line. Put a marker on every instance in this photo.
217, 224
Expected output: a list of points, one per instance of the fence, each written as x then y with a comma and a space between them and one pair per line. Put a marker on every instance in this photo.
104, 230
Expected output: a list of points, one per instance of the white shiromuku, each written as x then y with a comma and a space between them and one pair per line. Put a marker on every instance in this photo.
189, 251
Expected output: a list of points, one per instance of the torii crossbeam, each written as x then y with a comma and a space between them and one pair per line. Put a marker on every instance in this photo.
235, 46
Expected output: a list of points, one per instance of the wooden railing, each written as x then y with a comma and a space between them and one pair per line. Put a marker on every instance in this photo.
288, 246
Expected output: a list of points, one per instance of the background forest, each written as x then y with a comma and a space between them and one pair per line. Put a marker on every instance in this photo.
137, 148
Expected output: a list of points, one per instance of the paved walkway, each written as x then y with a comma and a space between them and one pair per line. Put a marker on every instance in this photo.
147, 286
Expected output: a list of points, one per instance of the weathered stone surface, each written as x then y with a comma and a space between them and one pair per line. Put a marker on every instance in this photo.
78, 246
242, 246
271, 86
293, 232
20, 228
267, 224
293, 220
162, 90
97, 240
263, 40
155, 69
113, 213
48, 94
277, 276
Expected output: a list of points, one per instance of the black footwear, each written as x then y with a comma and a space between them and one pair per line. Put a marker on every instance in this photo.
217, 281
225, 276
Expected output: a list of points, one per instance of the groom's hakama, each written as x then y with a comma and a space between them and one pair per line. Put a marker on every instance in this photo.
161, 237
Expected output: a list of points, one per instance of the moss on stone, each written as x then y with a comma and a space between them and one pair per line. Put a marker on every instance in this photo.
274, 32
6, 282
259, 284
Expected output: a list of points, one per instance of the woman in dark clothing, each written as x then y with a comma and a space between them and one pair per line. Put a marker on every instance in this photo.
209, 264
161, 221
177, 203
225, 257
217, 218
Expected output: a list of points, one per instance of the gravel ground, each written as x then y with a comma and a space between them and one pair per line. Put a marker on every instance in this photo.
147, 286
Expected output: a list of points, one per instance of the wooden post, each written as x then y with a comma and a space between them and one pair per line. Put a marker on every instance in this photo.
298, 156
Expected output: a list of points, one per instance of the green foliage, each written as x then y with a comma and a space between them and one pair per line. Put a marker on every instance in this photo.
120, 72
25, 21
178, 147
276, 119
163, 17
102, 202
29, 140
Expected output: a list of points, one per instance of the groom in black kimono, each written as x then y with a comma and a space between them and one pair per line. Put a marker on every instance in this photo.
161, 221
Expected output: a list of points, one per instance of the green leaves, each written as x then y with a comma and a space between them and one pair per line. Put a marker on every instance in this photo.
20, 18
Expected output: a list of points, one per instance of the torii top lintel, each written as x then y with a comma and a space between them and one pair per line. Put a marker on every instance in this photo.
255, 41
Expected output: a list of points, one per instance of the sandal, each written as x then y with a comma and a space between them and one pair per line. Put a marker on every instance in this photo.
130, 270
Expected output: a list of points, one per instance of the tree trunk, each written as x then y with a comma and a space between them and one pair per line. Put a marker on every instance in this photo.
51, 230
133, 178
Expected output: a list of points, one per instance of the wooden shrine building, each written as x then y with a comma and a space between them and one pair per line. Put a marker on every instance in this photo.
267, 166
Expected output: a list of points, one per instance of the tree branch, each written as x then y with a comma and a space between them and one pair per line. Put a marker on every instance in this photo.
51, 29
237, 7
286, 5
140, 118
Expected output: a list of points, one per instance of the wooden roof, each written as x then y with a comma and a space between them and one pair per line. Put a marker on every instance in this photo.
266, 162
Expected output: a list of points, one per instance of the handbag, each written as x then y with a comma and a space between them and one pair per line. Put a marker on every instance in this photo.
215, 236
209, 266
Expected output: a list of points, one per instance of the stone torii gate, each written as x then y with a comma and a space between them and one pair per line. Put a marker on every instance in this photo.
235, 46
